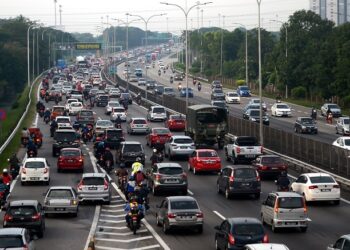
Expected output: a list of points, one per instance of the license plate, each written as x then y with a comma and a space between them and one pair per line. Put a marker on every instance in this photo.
183, 147
60, 209
34, 178
245, 184
291, 223
250, 156
185, 217
139, 126
70, 161
92, 188
171, 181
325, 190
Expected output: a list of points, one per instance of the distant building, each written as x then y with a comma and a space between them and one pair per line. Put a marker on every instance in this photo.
337, 11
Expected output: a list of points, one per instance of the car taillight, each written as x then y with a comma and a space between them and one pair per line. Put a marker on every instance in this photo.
171, 215
106, 185
336, 186
24, 171
184, 176
157, 177
232, 179
60, 158
262, 149
74, 202
80, 185
257, 176
313, 187
199, 215
231, 239
36, 217
25, 247
81, 159
8, 217
266, 239
238, 150
305, 208
46, 170
263, 167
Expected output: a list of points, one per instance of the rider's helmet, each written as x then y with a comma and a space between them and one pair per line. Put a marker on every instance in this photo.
24, 128
284, 173
5, 171
138, 159
122, 165
154, 150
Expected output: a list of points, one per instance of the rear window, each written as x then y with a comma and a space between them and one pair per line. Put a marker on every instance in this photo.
76, 104
114, 133
290, 202
161, 131
183, 205
113, 104
132, 148
322, 179
119, 110
65, 136
158, 110
60, 109
207, 154
63, 120
247, 229
22, 210
247, 141
271, 160
105, 123
93, 181
255, 112
177, 117
219, 104
183, 141
86, 113
35, 164
11, 241
245, 173
70, 153
103, 97
232, 94
281, 106
60, 193
139, 121
170, 170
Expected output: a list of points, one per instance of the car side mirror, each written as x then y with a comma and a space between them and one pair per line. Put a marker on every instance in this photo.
217, 228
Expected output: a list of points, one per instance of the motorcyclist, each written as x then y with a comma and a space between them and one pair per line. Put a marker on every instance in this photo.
132, 205
283, 181
14, 161
125, 104
143, 194
32, 147
47, 114
139, 177
39, 105
136, 166
313, 113
100, 150
25, 135
57, 100
138, 98
171, 79
5, 188
179, 86
199, 86
121, 172
118, 121
53, 127
85, 131
130, 187
159, 72
108, 156
6, 177
156, 157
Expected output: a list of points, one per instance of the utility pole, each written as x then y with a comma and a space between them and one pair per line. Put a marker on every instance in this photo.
33, 55
201, 43
61, 15
55, 2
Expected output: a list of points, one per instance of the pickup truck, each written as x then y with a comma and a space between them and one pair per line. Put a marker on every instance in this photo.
242, 149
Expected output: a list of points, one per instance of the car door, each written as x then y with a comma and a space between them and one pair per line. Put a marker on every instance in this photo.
303, 185
296, 185
268, 208
192, 159
220, 235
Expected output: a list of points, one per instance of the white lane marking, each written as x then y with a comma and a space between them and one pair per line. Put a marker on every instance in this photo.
120, 205
117, 201
113, 216
139, 248
112, 210
35, 123
93, 227
113, 221
149, 227
116, 228
92, 159
220, 215
190, 192
125, 241
122, 234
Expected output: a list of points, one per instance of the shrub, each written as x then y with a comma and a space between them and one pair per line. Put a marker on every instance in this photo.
298, 92
240, 82
346, 101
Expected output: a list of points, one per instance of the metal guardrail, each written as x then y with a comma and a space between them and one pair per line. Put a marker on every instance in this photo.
299, 165
8, 140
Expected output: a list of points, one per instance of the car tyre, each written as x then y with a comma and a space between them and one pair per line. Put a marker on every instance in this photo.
154, 191
262, 219
23, 183
170, 156
303, 229
336, 202
257, 196
165, 228
273, 228
194, 171
200, 229
188, 167
218, 188
158, 221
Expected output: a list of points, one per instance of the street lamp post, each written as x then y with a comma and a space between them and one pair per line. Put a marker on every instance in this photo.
246, 52
28, 53
260, 80
186, 11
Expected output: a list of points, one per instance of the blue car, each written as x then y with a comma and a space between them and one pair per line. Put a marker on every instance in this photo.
243, 91
184, 91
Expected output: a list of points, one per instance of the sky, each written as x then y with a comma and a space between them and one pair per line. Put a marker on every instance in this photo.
88, 15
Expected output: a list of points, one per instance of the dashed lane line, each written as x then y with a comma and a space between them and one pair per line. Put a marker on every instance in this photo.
122, 234
220, 215
139, 248
190, 192
109, 227
125, 241
112, 216
113, 221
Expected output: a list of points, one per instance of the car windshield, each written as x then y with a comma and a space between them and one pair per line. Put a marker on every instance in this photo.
132, 148
70, 152
125, 95
232, 94
282, 106
58, 109
219, 91
113, 104
72, 100
161, 131
347, 121
65, 136
247, 229
307, 121
247, 141
60, 193
290, 202
333, 106
207, 154
114, 133
119, 110
254, 112
11, 241
245, 173
86, 113
244, 88
141, 79
211, 116
93, 181
256, 101
322, 179
139, 121
183, 141
104, 123
170, 170
103, 97
271, 160
35, 164
22, 210
219, 104
158, 110
168, 90
62, 120
183, 205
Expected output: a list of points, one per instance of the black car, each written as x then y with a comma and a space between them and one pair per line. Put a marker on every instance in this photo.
305, 125
129, 151
114, 137
217, 94
221, 104
125, 96
151, 84
158, 90
239, 180
27, 214
235, 233
254, 116
64, 138
102, 100
178, 77
216, 84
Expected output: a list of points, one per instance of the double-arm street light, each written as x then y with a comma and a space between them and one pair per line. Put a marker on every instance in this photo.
260, 80
246, 52
186, 11
28, 52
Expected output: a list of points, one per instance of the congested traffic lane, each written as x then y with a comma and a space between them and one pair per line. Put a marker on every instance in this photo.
327, 220
59, 229
326, 132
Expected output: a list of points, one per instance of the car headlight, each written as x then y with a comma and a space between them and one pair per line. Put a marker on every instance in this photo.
252, 119
303, 127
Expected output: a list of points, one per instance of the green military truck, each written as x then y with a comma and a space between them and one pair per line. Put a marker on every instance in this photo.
207, 125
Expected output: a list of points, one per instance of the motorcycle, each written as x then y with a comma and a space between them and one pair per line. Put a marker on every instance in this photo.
159, 73
41, 112
199, 87
134, 222
314, 114
4, 193
52, 131
122, 181
31, 154
46, 119
179, 87
24, 141
171, 79
57, 100
282, 188
85, 138
14, 169
47, 98
108, 166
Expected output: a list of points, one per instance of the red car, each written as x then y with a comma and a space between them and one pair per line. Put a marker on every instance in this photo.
204, 160
70, 159
269, 165
158, 136
176, 122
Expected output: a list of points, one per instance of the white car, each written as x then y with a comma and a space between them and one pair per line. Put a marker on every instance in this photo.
102, 125
75, 107
281, 109
69, 101
35, 170
256, 101
141, 82
63, 119
179, 145
156, 113
118, 111
342, 142
66, 89
266, 246
232, 97
15, 238
334, 108
317, 187
114, 93
110, 105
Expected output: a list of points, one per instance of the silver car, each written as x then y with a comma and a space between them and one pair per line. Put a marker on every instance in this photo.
15, 239
110, 106
342, 243
61, 200
94, 187
156, 113
342, 126
137, 125
334, 108
179, 145
179, 211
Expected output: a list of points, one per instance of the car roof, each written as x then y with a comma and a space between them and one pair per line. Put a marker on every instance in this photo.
303, 117
241, 220
35, 159
60, 187
24, 203
316, 174
138, 118
168, 164
239, 167
181, 198
157, 106
131, 142
102, 175
287, 194
66, 130
63, 116
267, 246
12, 231
265, 156
181, 137
205, 150
71, 149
